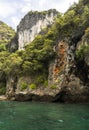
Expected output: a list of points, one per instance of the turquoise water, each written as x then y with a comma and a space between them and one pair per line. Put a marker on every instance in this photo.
43, 116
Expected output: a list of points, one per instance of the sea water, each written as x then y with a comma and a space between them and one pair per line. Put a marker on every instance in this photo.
43, 116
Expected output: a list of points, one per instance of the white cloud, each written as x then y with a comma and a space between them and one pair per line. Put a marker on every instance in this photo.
12, 11
15, 20
27, 0
6, 9
26, 8
61, 5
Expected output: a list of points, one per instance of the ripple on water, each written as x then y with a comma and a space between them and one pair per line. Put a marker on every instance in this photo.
43, 116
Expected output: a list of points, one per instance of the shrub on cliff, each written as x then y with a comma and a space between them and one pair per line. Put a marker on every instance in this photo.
37, 55
10, 64
3, 57
2, 47
82, 52
2, 88
40, 52
23, 86
6, 34
53, 87
32, 86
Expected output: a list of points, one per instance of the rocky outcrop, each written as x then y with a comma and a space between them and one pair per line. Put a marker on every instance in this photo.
40, 93
57, 68
33, 97
68, 69
65, 72
66, 81
11, 86
3, 97
32, 24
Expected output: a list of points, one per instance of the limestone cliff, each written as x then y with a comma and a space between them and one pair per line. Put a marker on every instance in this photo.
32, 24
55, 65
70, 75
68, 79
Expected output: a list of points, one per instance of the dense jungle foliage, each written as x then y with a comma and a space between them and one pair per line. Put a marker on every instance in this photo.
37, 55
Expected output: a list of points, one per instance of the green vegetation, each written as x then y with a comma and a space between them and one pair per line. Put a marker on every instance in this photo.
10, 63
45, 83
38, 53
43, 13
53, 87
2, 88
6, 34
40, 80
2, 47
84, 2
82, 52
36, 57
70, 26
24, 85
3, 57
32, 86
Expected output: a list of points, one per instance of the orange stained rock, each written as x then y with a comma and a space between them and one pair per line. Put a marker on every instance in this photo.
61, 61
56, 70
62, 51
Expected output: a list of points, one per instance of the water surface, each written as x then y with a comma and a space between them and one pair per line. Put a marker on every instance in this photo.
43, 116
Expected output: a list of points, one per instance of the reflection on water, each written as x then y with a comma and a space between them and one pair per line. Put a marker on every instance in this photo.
43, 116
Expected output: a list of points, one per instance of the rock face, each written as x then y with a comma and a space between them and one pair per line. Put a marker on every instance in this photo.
68, 80
57, 68
68, 76
32, 24
41, 93
65, 83
11, 86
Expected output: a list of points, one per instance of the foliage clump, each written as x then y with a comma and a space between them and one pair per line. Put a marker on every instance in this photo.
32, 86
6, 34
45, 83
36, 57
24, 85
2, 88
82, 52
53, 87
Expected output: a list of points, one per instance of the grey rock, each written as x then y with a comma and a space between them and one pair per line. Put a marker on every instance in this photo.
32, 24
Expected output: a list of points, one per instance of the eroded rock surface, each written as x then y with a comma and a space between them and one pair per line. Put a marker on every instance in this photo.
32, 24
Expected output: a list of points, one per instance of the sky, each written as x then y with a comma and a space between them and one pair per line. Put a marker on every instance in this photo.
11, 11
